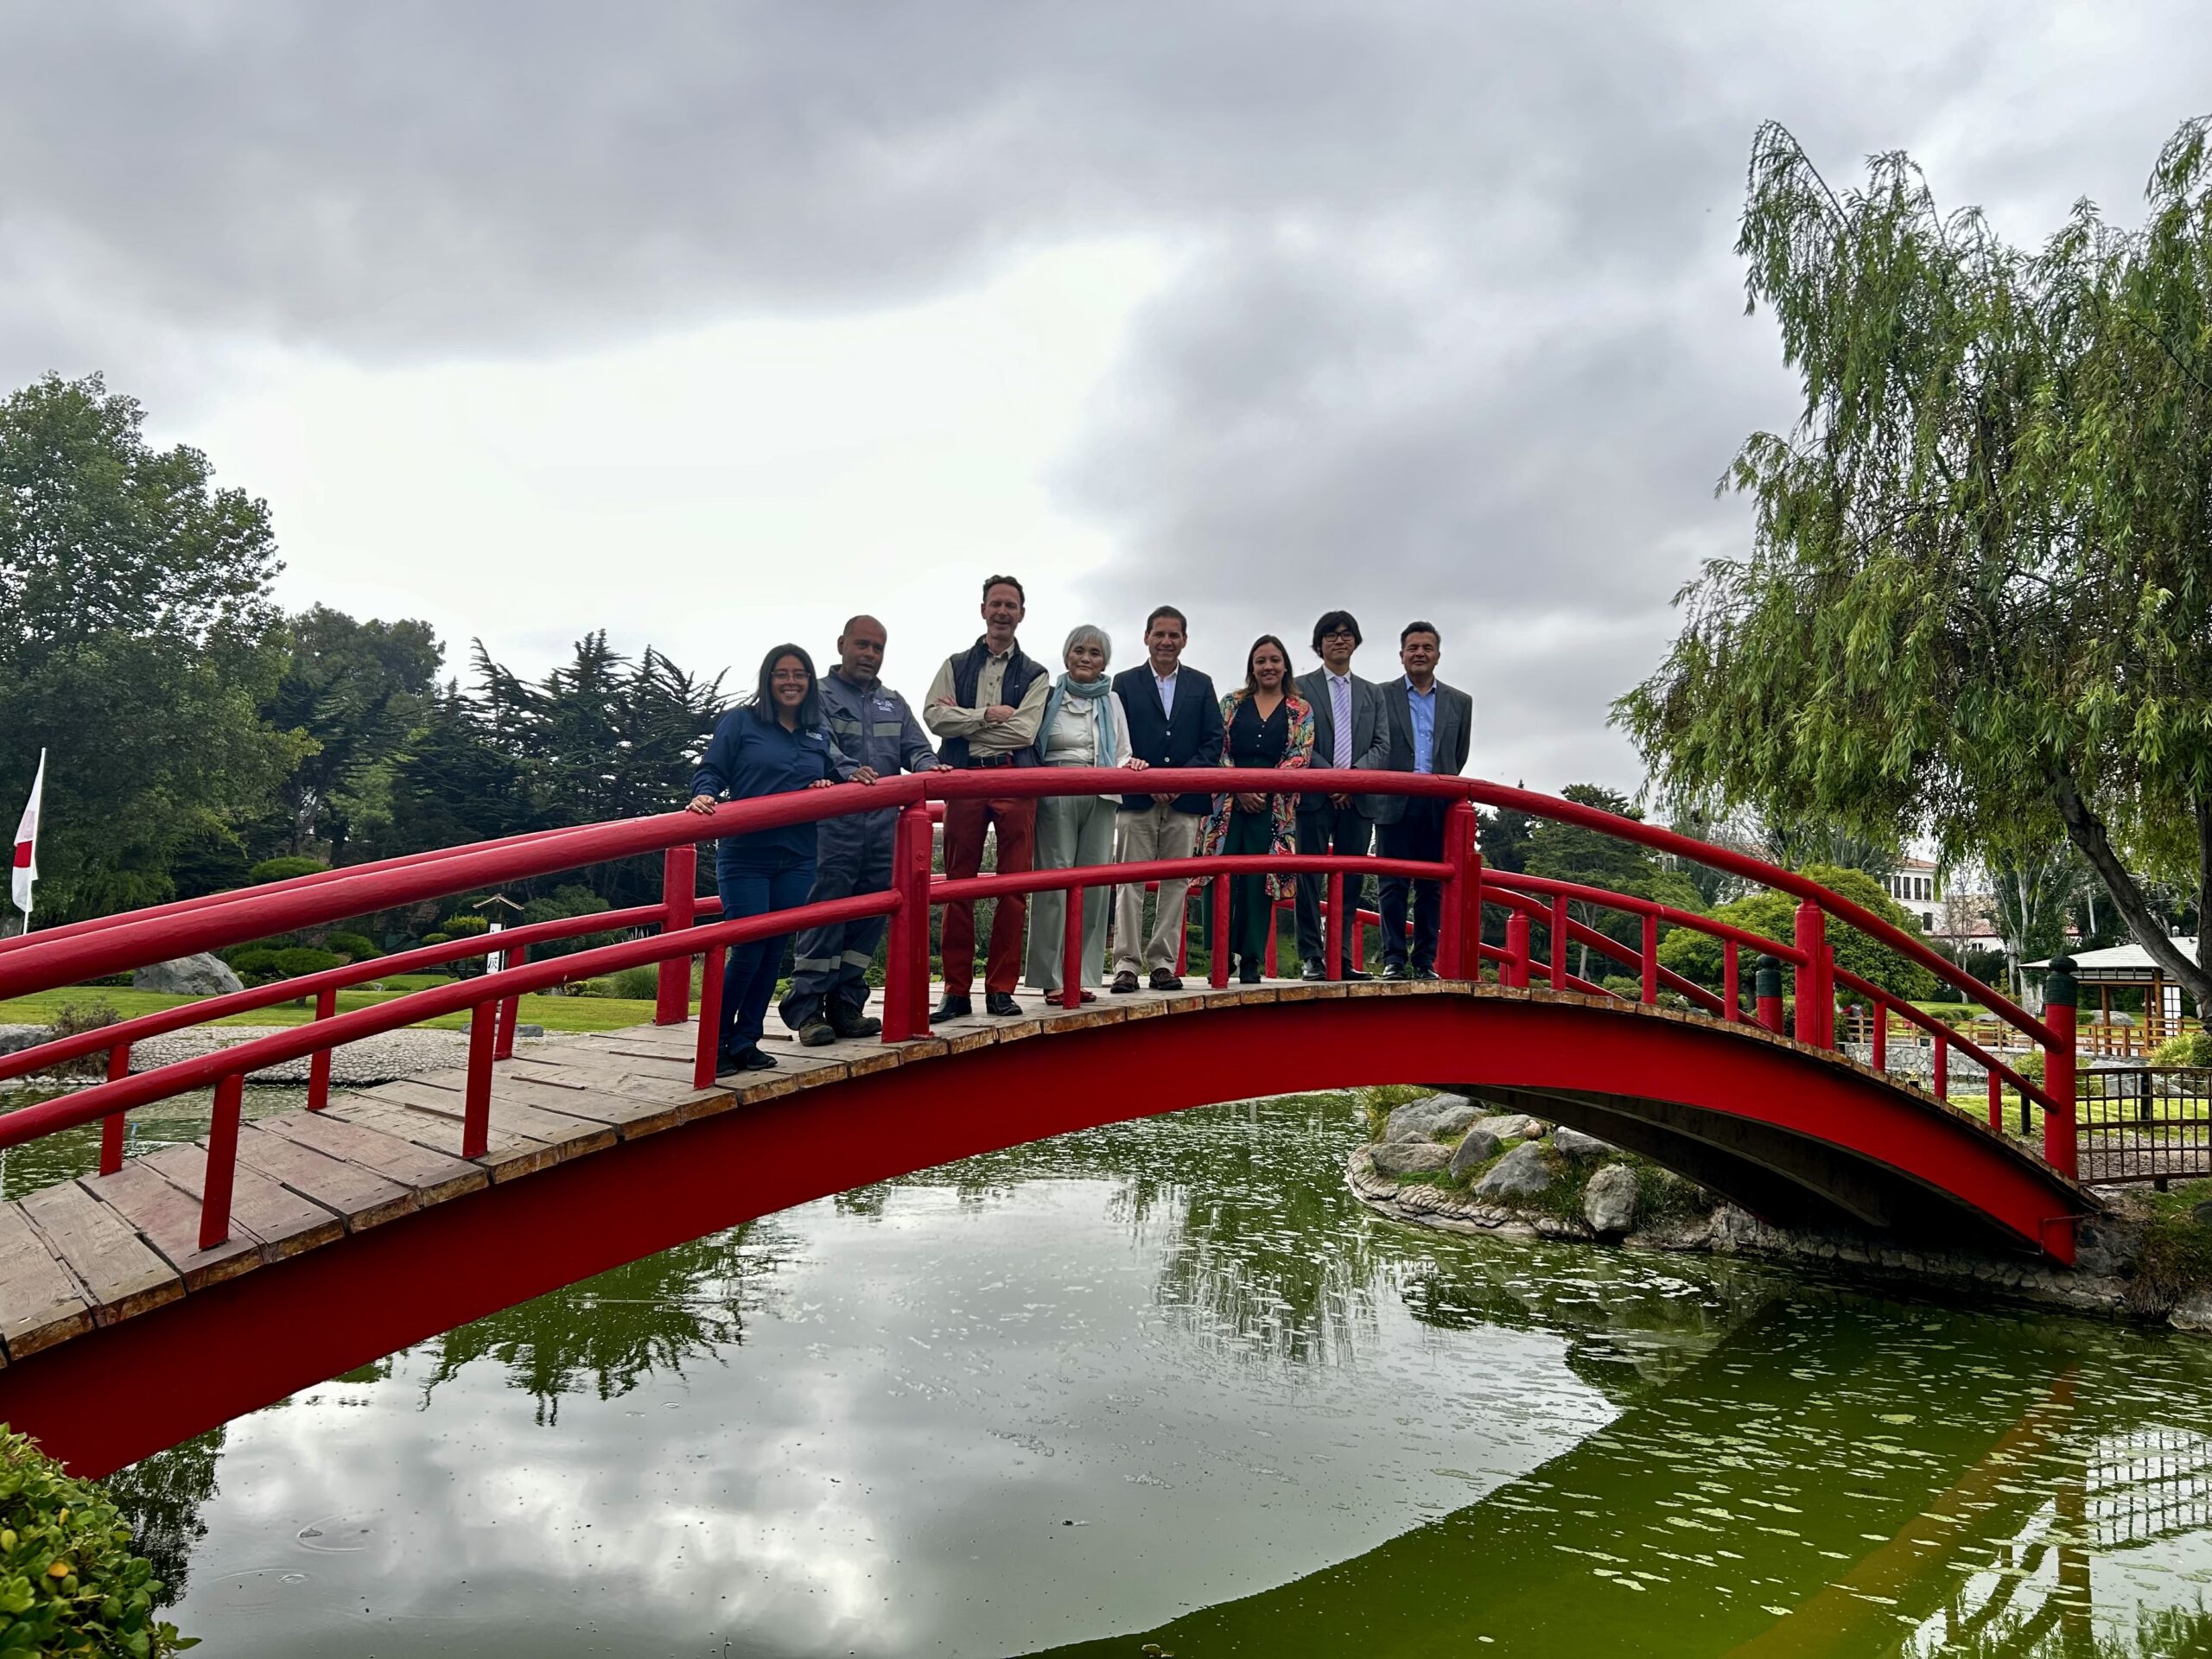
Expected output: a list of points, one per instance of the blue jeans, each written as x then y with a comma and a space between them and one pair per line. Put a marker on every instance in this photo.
750, 980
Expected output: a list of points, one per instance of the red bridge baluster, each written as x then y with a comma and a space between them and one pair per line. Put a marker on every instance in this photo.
2062, 994
222, 1162
118, 1066
476, 1099
326, 1005
679, 879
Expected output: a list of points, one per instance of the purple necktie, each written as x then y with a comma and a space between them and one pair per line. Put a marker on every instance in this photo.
1340, 707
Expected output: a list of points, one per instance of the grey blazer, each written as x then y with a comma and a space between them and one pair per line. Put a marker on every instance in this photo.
1370, 738
1455, 730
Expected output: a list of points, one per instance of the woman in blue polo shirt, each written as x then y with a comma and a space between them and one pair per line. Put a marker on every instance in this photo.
773, 742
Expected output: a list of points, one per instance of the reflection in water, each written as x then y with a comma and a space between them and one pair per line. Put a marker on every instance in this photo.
1167, 1382
599, 1336
160, 1499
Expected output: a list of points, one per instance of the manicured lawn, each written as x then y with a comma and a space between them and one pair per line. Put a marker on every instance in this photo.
554, 1013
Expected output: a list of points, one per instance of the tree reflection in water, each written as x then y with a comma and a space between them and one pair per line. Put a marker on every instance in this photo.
605, 1334
161, 1498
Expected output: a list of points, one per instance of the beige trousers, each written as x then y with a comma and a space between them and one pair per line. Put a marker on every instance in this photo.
1155, 831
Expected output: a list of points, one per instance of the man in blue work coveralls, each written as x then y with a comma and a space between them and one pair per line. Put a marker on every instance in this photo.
872, 724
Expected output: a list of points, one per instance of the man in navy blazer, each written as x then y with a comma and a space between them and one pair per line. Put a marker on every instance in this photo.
1431, 725
1349, 730
1174, 721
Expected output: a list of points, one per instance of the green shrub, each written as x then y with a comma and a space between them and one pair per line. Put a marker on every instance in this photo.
464, 927
639, 984
359, 947
74, 1019
68, 1580
231, 953
284, 869
2190, 1048
301, 960
437, 938
258, 962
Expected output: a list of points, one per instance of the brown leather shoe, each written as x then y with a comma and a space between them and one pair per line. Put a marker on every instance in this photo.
1124, 983
1162, 980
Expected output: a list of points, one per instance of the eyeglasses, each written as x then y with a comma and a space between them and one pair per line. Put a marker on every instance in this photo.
1340, 633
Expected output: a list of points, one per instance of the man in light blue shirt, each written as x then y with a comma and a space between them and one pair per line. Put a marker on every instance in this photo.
1431, 725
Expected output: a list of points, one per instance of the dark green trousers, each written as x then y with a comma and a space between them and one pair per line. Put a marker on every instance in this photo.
1251, 913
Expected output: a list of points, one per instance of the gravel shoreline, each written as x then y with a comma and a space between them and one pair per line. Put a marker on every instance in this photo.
381, 1059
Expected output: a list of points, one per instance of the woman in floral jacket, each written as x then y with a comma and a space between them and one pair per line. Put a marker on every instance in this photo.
1264, 724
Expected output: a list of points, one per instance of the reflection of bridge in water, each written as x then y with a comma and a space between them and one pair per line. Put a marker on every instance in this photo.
1690, 1525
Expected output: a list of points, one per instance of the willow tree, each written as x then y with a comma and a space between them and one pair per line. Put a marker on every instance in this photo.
1975, 604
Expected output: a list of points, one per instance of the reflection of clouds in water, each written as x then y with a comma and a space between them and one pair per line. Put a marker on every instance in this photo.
928, 1378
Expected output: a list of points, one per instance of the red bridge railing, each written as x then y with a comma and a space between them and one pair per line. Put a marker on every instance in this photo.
689, 928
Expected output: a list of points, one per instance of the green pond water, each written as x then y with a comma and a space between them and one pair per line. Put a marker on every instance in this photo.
1168, 1384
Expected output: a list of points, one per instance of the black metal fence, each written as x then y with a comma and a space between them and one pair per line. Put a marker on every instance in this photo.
2144, 1123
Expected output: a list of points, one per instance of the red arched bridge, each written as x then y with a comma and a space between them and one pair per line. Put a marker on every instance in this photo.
158, 1295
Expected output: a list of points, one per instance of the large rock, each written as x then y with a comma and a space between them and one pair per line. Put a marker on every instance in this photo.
1478, 1147
199, 975
1522, 1173
1515, 1126
1609, 1201
1408, 1156
1429, 1117
1572, 1143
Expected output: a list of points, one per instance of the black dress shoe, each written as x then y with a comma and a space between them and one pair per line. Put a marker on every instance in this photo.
1311, 970
953, 1008
1248, 973
848, 1022
1426, 973
1125, 983
1358, 973
1164, 978
1001, 1003
1391, 971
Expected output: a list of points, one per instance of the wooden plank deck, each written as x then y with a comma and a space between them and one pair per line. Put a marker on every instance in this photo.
108, 1248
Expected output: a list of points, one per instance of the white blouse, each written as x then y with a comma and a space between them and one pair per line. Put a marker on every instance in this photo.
1072, 739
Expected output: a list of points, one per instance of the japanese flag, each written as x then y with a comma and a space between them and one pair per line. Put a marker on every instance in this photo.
27, 841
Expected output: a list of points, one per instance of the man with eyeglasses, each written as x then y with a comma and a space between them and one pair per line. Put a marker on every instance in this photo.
1350, 730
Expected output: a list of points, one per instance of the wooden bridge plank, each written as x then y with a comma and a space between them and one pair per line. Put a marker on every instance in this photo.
606, 1071
284, 1222
548, 1129
169, 1219
122, 1274
40, 1303
359, 1198
431, 1176
631, 1114
507, 1153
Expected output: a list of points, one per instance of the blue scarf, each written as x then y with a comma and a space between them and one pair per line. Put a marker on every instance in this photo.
1101, 714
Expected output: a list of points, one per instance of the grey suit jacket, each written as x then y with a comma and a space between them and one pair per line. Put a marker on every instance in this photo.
1371, 739
1455, 730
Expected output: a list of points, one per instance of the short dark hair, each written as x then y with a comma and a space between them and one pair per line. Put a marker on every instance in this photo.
1252, 685
1159, 611
1336, 622
1412, 629
991, 582
763, 700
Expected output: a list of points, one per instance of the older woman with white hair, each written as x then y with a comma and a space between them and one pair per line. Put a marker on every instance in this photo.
1084, 727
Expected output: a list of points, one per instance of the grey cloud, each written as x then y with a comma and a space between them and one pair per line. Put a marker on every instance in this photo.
1454, 328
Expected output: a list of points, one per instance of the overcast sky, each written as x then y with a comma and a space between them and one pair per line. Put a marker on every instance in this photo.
708, 324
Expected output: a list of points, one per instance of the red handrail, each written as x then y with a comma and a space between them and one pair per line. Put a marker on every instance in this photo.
58, 1050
